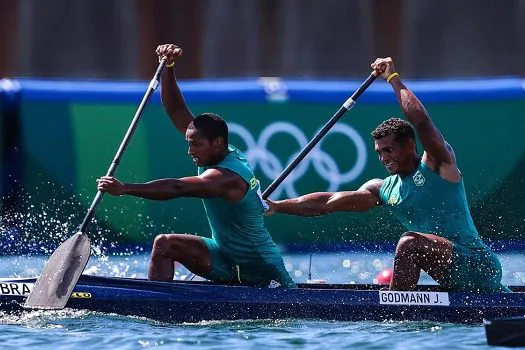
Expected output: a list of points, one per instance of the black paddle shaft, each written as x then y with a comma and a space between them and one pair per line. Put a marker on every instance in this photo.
124, 144
342, 110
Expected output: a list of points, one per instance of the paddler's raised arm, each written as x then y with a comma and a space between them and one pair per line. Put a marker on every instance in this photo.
321, 203
171, 96
431, 138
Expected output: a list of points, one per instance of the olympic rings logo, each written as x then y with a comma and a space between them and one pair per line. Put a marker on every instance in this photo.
259, 155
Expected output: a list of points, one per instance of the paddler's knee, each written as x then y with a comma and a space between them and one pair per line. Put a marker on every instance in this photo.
161, 242
409, 242
170, 242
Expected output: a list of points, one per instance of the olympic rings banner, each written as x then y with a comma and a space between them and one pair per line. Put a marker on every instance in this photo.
266, 159
63, 134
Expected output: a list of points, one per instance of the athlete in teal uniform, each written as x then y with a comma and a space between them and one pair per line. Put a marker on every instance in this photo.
240, 241
427, 196
423, 201
241, 251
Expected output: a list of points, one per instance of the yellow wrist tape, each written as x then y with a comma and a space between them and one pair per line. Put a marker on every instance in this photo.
391, 76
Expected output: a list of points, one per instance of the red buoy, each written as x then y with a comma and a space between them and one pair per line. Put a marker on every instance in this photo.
384, 277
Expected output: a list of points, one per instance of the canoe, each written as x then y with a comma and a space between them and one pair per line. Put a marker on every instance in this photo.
194, 301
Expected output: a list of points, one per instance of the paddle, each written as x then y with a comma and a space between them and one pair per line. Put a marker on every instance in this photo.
61, 273
342, 110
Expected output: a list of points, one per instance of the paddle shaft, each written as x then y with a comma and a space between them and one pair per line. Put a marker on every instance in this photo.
350, 102
124, 144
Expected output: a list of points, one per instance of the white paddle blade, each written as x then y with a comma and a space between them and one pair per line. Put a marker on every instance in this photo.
60, 275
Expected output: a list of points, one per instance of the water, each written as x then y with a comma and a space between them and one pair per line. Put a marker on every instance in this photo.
87, 331
68, 329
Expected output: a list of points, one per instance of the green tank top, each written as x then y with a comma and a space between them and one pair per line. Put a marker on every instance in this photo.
425, 202
238, 228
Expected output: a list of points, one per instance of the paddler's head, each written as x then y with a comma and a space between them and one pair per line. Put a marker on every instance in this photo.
207, 137
395, 144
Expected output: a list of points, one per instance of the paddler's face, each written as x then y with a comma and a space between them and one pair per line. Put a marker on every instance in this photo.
397, 157
201, 150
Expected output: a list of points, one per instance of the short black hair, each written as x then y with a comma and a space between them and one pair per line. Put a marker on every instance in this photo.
210, 126
402, 130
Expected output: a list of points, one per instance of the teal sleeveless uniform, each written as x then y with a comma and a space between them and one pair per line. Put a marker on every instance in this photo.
427, 203
241, 247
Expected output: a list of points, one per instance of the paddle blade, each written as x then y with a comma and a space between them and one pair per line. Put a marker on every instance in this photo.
60, 275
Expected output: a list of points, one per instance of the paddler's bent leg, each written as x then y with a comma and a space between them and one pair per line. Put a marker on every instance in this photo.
190, 251
417, 251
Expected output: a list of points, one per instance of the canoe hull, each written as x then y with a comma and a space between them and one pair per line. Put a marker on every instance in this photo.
178, 302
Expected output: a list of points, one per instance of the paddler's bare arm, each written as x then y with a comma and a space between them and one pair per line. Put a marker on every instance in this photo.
171, 96
438, 154
320, 203
214, 182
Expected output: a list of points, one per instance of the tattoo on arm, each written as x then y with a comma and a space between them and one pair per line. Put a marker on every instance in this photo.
432, 140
